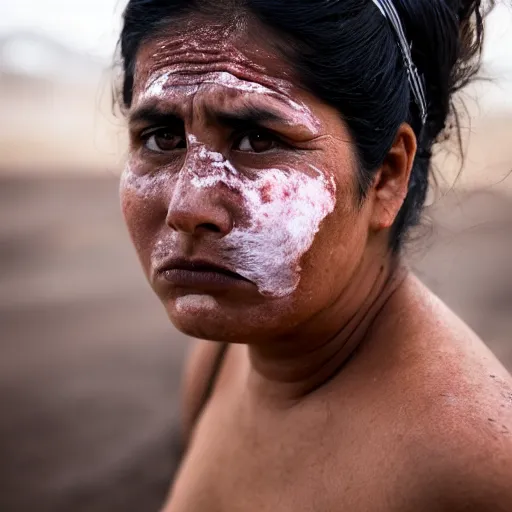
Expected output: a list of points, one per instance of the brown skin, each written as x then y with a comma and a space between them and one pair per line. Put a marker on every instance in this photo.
358, 391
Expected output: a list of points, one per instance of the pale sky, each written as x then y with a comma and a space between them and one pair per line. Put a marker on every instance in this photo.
92, 26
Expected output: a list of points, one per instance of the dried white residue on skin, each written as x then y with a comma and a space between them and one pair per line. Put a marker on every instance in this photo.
144, 186
284, 206
171, 82
285, 209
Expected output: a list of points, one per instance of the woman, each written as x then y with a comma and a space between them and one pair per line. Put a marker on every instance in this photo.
280, 152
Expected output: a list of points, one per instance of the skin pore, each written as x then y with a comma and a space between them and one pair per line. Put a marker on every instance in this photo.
344, 375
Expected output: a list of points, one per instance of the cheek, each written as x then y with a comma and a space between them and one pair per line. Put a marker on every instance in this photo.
128, 203
139, 198
349, 217
340, 243
285, 210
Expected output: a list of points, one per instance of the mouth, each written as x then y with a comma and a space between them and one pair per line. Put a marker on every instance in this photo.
199, 275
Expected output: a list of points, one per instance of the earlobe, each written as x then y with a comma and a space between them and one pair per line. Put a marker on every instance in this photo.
392, 180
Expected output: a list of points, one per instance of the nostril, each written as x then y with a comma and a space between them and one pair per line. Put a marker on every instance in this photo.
207, 226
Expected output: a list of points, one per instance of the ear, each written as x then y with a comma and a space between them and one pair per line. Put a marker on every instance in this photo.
392, 180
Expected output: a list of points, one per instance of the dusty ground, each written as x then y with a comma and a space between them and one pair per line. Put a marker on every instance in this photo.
90, 366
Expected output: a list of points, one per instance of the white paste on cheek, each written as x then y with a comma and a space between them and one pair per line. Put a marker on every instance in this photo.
285, 210
145, 186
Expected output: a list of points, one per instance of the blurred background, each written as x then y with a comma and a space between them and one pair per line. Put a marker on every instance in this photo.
89, 364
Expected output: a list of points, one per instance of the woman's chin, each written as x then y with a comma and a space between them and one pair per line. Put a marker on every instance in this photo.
202, 316
213, 318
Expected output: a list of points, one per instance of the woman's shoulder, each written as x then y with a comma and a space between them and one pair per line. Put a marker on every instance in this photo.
460, 401
461, 452
430, 334
449, 361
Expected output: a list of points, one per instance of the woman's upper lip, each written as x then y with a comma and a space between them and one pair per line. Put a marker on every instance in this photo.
197, 265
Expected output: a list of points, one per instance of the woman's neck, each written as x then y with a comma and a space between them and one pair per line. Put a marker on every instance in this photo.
293, 368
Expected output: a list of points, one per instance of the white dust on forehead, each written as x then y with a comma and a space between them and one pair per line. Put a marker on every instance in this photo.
157, 86
172, 83
285, 209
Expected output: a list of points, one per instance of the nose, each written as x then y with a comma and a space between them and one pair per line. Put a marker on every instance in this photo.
197, 211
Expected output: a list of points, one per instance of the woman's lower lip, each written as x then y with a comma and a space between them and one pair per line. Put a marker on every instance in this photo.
200, 279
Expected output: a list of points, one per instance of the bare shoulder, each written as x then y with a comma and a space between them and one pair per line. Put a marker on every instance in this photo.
462, 451
467, 448
199, 367
465, 463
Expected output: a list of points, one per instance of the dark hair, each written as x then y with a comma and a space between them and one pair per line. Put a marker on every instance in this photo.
346, 53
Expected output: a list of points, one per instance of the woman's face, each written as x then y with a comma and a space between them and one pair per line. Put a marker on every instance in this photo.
240, 190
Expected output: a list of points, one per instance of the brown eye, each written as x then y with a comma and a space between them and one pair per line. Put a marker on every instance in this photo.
164, 140
257, 142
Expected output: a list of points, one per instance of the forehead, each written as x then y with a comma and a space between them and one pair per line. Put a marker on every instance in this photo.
202, 51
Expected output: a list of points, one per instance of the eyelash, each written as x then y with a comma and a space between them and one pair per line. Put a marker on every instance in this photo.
149, 132
258, 131
146, 134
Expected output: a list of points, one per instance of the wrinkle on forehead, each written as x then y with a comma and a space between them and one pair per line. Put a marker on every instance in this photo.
209, 47
158, 85
204, 41
197, 38
182, 87
178, 67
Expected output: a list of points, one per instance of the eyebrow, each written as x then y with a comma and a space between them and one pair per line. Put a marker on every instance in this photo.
248, 115
241, 116
155, 115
